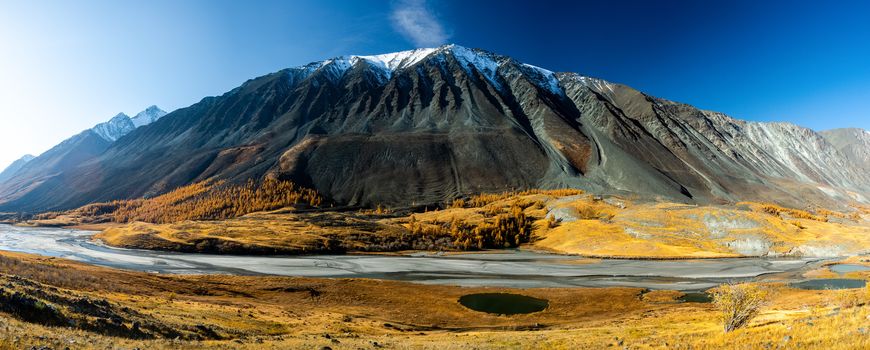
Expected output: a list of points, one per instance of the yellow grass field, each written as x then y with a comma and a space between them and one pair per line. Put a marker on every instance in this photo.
233, 312
567, 224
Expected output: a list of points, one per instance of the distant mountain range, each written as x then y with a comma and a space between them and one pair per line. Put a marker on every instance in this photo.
15, 166
29, 171
424, 126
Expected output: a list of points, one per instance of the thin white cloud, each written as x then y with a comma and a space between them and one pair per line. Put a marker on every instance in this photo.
414, 20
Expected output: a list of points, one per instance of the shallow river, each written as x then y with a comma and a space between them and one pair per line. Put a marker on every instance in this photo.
507, 269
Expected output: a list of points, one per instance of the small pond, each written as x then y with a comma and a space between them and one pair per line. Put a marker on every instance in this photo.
503, 303
696, 297
846, 268
830, 283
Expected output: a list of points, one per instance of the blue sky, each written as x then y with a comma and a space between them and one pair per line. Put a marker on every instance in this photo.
66, 65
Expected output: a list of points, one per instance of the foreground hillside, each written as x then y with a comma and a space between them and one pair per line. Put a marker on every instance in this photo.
56, 303
425, 126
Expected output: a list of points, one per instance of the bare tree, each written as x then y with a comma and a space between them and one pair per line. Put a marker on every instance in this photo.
739, 303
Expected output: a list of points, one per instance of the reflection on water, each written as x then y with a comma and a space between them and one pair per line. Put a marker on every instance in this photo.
846, 268
830, 283
696, 297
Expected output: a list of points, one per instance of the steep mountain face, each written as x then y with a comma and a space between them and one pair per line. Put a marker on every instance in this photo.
15, 166
423, 126
67, 155
709, 152
853, 143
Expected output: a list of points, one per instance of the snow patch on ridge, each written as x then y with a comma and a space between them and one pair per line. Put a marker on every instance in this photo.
484, 63
397, 60
599, 85
338, 66
118, 126
335, 68
148, 116
122, 124
544, 78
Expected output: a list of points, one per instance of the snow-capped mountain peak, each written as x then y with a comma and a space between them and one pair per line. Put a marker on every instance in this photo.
488, 64
122, 124
397, 60
386, 63
118, 117
148, 116
116, 127
543, 78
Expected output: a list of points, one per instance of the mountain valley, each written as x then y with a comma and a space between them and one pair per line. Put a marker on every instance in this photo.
358, 201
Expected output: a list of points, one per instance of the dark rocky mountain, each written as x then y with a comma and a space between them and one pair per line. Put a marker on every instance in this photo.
427, 125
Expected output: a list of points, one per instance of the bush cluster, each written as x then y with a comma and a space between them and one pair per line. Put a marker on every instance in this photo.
207, 200
507, 229
484, 199
739, 303
776, 210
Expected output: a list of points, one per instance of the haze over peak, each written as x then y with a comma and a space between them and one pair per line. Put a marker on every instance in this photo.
15, 166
